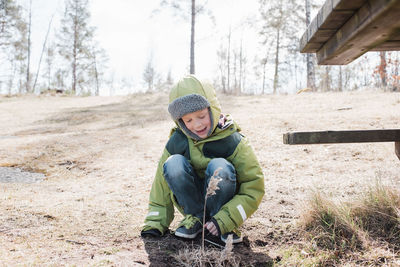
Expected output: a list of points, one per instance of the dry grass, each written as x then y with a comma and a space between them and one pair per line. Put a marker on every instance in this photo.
363, 231
196, 256
378, 214
329, 226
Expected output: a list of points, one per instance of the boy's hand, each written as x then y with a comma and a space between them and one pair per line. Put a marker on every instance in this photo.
210, 226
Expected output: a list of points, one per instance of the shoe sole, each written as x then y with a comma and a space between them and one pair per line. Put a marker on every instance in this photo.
192, 236
234, 241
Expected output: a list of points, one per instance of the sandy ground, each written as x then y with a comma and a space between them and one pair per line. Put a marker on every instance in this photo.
99, 156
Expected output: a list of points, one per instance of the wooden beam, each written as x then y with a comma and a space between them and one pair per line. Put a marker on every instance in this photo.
388, 46
392, 44
369, 27
332, 15
329, 137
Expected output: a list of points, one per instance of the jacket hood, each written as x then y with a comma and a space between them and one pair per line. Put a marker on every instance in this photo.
191, 87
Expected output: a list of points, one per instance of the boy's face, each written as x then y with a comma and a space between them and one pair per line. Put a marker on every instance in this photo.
198, 122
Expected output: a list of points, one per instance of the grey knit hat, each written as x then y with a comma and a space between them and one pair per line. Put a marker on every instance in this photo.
187, 104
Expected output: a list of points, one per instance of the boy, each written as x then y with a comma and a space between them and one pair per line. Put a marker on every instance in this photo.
204, 141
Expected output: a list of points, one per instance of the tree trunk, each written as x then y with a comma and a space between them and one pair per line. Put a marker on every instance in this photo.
229, 61
276, 75
396, 81
327, 86
240, 67
263, 83
28, 75
74, 53
235, 59
382, 69
340, 87
96, 75
192, 70
41, 56
310, 57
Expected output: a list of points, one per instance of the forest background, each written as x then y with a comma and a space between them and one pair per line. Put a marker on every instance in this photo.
86, 47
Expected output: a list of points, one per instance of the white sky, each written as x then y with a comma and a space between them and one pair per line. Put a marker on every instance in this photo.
129, 33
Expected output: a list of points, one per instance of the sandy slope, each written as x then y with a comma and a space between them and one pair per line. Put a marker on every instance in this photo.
99, 155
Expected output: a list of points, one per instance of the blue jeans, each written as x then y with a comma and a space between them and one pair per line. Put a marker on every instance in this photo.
189, 190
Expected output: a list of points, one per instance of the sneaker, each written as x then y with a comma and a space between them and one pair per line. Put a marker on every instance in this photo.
151, 233
235, 238
214, 241
189, 227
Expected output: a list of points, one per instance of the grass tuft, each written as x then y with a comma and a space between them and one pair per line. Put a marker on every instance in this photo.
329, 226
378, 214
352, 226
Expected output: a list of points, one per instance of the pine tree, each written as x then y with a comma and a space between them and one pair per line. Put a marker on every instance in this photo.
13, 46
280, 20
76, 45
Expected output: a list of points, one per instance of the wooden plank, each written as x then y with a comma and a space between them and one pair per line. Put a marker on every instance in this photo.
329, 137
388, 46
392, 44
369, 27
332, 15
318, 40
335, 20
346, 4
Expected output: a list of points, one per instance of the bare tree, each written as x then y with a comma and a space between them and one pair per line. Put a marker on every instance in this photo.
183, 8
50, 54
50, 58
149, 74
222, 62
28, 64
97, 67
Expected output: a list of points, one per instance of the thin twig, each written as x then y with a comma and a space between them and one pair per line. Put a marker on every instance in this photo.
211, 190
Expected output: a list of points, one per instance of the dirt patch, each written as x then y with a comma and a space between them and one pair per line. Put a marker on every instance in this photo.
16, 175
99, 156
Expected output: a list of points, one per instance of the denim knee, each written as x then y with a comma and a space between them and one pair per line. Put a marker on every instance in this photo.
227, 186
175, 167
226, 169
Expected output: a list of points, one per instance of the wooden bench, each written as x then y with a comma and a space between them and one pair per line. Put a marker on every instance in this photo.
342, 31
354, 136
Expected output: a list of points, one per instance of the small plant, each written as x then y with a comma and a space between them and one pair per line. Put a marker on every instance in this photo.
195, 256
211, 190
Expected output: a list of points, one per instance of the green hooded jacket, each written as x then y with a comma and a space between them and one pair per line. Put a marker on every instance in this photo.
224, 142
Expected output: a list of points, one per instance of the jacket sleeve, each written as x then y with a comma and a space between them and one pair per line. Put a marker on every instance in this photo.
161, 210
251, 189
